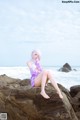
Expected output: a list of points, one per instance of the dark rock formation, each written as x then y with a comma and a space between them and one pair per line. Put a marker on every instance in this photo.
75, 93
74, 70
22, 102
74, 90
66, 68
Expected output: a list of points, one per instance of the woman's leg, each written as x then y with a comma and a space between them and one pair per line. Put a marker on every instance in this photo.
50, 77
41, 80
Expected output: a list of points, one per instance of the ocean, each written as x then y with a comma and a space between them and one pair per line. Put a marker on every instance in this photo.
66, 79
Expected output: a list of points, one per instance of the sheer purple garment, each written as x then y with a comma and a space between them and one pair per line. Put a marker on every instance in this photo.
34, 72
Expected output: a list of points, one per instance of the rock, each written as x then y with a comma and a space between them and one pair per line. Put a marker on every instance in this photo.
66, 91
12, 82
78, 115
26, 103
66, 68
74, 70
5, 80
75, 93
76, 102
74, 90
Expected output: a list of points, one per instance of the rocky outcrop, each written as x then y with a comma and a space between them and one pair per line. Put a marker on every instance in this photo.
74, 90
22, 102
75, 93
65, 68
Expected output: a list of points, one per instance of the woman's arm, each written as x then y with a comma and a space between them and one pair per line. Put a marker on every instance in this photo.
29, 64
32, 67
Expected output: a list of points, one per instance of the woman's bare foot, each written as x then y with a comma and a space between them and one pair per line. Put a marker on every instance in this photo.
44, 95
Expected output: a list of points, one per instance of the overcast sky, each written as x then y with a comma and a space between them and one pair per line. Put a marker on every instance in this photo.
48, 25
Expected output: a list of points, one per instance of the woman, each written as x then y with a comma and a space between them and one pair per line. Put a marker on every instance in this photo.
40, 77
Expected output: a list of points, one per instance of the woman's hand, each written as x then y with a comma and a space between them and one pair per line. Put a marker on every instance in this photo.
37, 70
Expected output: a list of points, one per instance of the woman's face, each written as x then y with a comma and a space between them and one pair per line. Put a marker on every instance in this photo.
35, 56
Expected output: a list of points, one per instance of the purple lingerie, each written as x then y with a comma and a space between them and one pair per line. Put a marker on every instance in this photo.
35, 73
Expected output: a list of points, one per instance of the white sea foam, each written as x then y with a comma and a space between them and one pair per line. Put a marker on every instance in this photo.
66, 79
15, 72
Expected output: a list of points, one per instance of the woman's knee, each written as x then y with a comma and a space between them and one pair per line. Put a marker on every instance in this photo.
50, 74
45, 72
